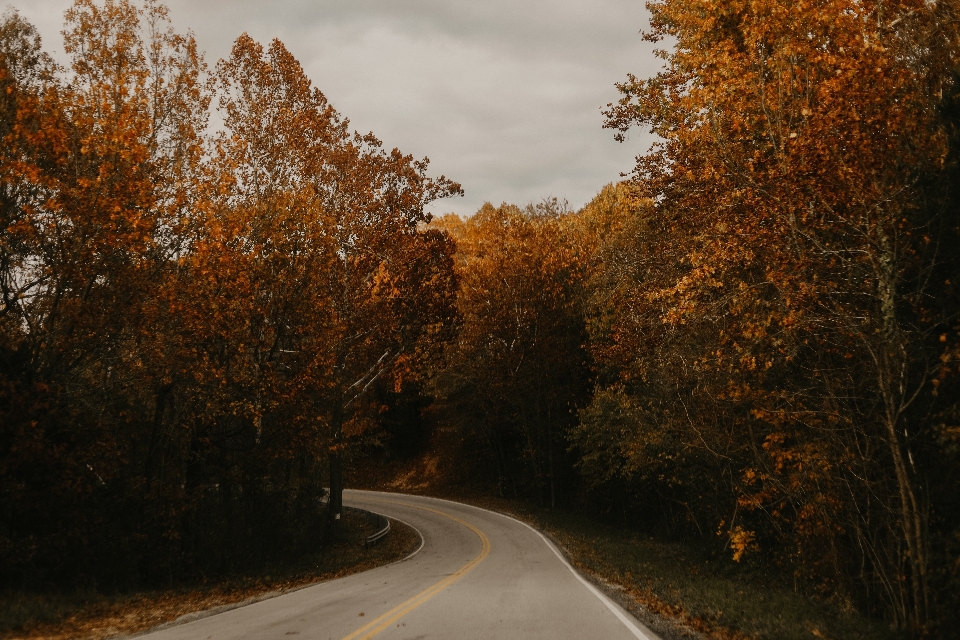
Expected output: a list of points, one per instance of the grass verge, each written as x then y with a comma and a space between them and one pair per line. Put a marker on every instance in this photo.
680, 590
692, 589
93, 616
715, 596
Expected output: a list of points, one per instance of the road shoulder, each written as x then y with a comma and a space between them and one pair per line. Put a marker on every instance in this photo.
97, 616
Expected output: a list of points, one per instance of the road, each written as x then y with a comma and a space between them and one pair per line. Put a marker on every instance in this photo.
478, 575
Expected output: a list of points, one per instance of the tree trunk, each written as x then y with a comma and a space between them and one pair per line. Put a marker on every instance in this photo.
893, 383
911, 524
335, 505
336, 490
553, 482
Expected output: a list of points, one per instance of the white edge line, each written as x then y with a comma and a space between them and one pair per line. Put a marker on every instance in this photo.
415, 551
194, 616
383, 515
636, 631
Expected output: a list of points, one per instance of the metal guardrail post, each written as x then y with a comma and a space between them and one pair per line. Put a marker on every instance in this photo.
381, 533
380, 521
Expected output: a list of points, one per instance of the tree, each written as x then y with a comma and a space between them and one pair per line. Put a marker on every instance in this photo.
191, 321
790, 181
391, 286
97, 183
517, 369
323, 230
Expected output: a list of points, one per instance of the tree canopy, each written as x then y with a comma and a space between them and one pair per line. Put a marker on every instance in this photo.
752, 342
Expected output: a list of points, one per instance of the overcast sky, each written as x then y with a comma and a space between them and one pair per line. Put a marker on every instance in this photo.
504, 96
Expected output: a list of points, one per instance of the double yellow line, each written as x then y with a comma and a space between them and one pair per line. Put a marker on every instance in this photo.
374, 627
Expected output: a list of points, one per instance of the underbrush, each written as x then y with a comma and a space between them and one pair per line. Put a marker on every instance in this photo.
712, 594
91, 615
690, 586
687, 586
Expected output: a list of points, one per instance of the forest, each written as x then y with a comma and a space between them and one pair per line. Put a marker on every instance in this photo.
216, 298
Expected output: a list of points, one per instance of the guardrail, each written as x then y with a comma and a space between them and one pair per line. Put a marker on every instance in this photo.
381, 533
378, 520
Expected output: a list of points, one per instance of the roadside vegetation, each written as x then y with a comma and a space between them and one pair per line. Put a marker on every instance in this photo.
681, 586
701, 589
92, 614
752, 344
193, 322
746, 354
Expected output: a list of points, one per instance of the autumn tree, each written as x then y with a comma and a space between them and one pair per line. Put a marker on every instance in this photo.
793, 195
628, 440
96, 179
192, 320
517, 370
391, 287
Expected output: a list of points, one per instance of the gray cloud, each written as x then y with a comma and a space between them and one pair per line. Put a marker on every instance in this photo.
503, 96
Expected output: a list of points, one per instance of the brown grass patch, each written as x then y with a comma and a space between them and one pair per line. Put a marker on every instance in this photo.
91, 616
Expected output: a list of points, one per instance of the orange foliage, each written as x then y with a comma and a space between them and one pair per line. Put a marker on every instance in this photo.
784, 320
192, 321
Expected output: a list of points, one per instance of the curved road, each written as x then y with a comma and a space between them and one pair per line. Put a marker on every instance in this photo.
478, 575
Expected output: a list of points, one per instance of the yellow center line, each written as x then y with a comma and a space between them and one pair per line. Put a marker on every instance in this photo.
374, 627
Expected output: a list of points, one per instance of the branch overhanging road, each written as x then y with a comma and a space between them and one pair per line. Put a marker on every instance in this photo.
478, 574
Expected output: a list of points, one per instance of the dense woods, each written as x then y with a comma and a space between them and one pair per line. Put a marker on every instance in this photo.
193, 318
753, 342
802, 329
518, 367
767, 307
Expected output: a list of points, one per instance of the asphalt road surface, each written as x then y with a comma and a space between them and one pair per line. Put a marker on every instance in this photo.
478, 575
